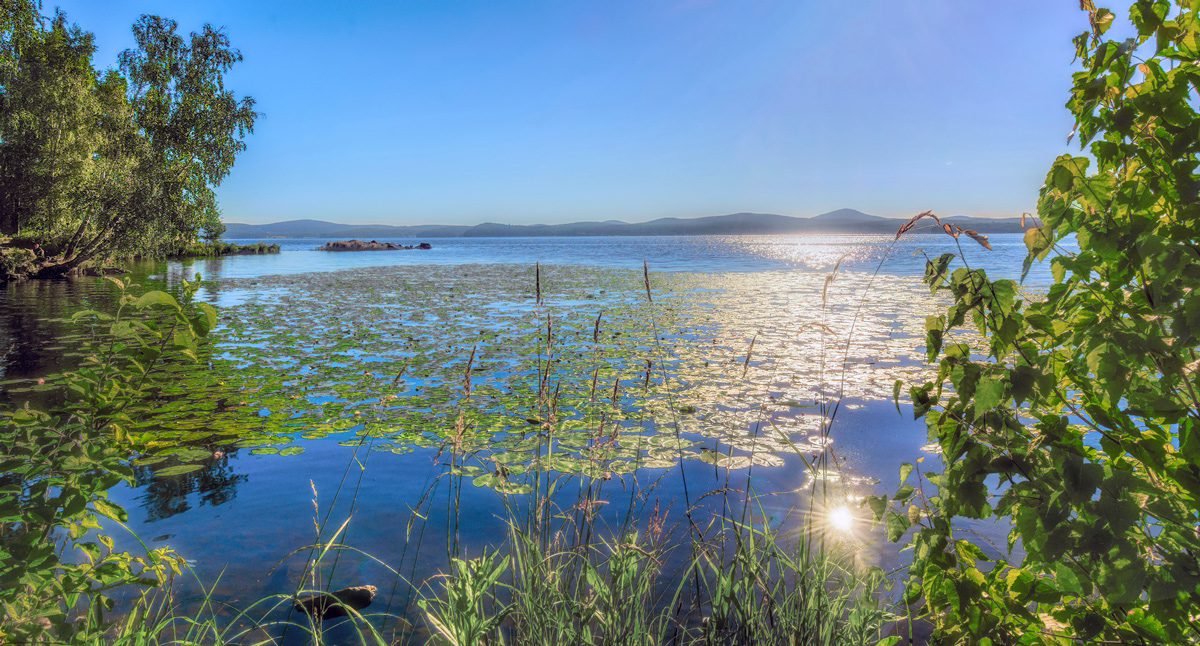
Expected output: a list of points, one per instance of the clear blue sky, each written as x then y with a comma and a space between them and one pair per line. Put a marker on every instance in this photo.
443, 111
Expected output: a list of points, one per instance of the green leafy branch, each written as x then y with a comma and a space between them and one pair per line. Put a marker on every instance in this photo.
1078, 427
58, 465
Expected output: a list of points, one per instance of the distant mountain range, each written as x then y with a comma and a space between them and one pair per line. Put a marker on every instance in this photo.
839, 221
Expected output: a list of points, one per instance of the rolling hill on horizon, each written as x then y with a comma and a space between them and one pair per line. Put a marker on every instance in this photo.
840, 221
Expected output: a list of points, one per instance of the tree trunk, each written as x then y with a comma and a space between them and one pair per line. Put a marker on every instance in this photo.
66, 265
10, 204
73, 243
8, 216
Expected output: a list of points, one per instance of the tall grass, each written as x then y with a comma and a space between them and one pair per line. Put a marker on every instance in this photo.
756, 587
615, 590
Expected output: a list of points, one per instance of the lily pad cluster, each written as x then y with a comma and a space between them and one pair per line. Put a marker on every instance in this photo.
525, 368
568, 369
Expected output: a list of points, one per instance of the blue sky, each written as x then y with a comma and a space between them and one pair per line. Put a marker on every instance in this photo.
445, 111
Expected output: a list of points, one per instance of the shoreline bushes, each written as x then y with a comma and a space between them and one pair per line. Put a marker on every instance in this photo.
57, 570
1078, 424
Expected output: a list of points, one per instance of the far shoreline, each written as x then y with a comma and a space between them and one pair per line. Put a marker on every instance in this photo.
841, 222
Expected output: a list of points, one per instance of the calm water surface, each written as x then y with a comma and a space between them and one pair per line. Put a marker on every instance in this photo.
662, 253
241, 516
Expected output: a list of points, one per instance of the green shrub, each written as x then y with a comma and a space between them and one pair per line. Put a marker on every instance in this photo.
15, 261
1080, 428
56, 468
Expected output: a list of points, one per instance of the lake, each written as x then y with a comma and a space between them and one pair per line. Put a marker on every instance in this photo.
424, 394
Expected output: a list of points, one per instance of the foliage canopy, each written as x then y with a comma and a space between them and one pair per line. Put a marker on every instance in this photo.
1080, 428
114, 163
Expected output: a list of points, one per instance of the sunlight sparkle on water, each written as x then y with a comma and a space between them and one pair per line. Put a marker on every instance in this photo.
815, 252
841, 519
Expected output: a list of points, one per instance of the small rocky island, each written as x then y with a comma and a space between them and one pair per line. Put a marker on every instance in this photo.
362, 245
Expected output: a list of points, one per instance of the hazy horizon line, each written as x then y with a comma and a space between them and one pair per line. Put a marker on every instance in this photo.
411, 223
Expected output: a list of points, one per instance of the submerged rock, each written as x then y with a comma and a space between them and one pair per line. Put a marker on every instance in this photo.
330, 605
364, 245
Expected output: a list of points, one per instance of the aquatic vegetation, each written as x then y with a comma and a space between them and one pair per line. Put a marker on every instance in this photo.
582, 375
385, 352
514, 378
611, 380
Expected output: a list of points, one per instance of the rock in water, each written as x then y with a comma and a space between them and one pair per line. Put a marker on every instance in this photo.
328, 606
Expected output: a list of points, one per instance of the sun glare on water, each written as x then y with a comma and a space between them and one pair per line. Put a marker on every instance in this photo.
841, 519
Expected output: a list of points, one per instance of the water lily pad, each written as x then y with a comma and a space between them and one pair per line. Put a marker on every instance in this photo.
178, 469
